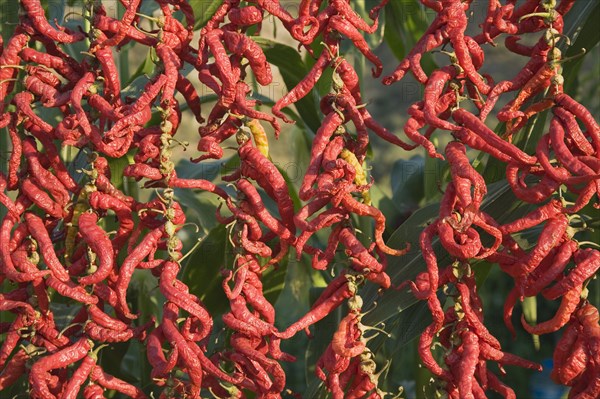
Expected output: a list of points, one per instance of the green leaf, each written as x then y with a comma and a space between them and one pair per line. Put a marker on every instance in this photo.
388, 206
293, 70
117, 166
407, 182
148, 7
205, 170
10, 18
392, 34
291, 189
362, 8
148, 302
293, 303
302, 146
530, 313
145, 68
433, 175
135, 88
405, 22
201, 206
274, 279
204, 10
202, 270
587, 38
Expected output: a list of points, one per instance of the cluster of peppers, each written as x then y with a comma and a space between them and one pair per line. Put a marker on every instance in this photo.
54, 243
566, 160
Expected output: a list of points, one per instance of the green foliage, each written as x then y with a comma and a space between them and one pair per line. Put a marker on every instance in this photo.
204, 10
404, 23
293, 70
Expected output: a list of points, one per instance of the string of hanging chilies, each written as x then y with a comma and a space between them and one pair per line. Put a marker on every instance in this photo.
54, 241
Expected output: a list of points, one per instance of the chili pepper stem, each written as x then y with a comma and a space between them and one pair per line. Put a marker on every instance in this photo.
590, 243
149, 34
581, 53
60, 334
548, 15
153, 19
199, 241
67, 15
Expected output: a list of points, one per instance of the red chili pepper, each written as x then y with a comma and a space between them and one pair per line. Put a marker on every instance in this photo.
186, 354
568, 305
49, 96
592, 128
35, 13
567, 370
15, 155
533, 218
93, 391
535, 194
76, 380
253, 157
259, 211
102, 334
359, 208
14, 369
37, 229
44, 177
319, 310
506, 359
245, 16
8, 267
562, 152
13, 337
356, 250
57, 360
69, 289
424, 349
102, 319
475, 125
345, 341
583, 270
123, 212
144, 248
41, 199
199, 184
187, 90
550, 236
433, 92
346, 28
23, 102
430, 39
10, 56
304, 86
99, 242
467, 364
110, 72
108, 381
574, 131
123, 25
183, 299
59, 64
473, 320
223, 64
244, 46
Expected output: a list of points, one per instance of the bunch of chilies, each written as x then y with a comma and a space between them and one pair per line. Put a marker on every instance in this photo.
53, 243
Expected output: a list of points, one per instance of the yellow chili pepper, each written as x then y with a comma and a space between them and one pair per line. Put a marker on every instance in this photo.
260, 136
80, 207
360, 179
